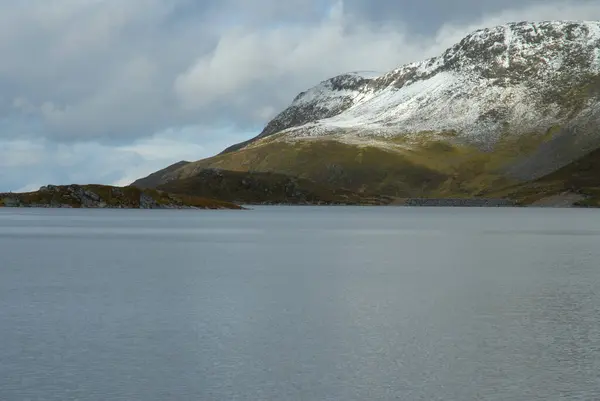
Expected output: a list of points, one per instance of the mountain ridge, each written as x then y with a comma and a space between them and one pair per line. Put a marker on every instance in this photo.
495, 56
504, 105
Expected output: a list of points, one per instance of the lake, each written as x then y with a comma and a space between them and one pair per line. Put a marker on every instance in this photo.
300, 303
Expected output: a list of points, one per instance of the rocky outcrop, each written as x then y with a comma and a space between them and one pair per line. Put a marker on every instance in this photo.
102, 196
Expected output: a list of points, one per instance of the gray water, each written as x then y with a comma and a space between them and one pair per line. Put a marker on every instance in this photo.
300, 303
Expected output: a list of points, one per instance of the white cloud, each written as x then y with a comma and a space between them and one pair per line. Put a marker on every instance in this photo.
20, 153
260, 70
24, 164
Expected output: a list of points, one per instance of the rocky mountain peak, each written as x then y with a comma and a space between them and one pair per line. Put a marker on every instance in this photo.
327, 99
521, 74
519, 49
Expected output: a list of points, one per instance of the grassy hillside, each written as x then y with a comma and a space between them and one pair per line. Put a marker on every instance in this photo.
580, 177
421, 165
244, 187
329, 163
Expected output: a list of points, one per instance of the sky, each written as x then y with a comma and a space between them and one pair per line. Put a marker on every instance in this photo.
107, 91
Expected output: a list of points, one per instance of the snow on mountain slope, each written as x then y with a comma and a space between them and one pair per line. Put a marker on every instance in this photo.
517, 78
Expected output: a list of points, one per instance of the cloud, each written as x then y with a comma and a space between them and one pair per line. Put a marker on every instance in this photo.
126, 87
95, 69
20, 153
30, 163
277, 63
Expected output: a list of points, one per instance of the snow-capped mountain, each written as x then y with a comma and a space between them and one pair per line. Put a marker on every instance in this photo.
506, 104
514, 77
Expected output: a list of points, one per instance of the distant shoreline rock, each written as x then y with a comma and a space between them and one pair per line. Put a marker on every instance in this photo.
108, 197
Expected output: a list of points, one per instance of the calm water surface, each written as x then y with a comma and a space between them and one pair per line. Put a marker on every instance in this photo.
300, 303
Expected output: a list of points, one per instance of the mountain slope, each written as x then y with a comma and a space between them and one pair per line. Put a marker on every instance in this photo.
156, 178
265, 188
581, 177
503, 106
